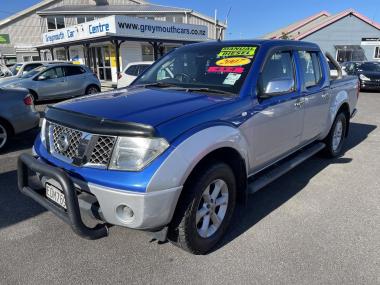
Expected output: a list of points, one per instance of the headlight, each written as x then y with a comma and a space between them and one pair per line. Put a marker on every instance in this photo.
364, 78
134, 153
43, 132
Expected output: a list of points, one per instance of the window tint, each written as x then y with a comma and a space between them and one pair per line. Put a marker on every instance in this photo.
53, 73
73, 70
310, 68
132, 70
29, 67
278, 67
141, 68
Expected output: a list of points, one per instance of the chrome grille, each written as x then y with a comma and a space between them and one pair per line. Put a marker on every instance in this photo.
103, 150
74, 137
99, 156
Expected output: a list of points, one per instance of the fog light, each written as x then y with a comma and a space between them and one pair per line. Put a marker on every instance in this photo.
124, 213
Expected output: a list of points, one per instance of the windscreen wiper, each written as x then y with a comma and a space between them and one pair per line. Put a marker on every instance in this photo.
158, 85
209, 90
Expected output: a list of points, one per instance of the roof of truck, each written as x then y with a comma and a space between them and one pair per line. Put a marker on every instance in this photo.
261, 42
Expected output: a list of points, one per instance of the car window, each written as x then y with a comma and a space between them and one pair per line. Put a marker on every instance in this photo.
74, 70
132, 70
310, 68
29, 67
15, 68
278, 67
141, 68
53, 73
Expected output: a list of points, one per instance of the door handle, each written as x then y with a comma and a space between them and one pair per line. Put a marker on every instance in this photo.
299, 103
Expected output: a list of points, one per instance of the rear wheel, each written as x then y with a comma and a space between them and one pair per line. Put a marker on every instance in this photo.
92, 89
335, 139
205, 210
4, 135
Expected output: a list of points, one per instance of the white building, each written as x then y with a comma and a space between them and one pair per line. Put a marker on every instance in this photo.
137, 31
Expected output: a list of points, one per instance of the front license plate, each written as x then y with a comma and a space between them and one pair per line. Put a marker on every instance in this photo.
56, 195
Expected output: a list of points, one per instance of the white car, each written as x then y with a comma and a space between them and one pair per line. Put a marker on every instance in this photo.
131, 72
21, 68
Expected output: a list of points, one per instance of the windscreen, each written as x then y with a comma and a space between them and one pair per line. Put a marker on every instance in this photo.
369, 66
34, 72
15, 68
215, 67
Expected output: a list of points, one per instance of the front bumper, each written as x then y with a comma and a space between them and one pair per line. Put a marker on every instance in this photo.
150, 211
369, 85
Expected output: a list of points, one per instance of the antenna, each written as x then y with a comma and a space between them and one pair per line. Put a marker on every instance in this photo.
226, 23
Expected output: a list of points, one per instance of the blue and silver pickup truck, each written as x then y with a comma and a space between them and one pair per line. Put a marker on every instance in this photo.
175, 152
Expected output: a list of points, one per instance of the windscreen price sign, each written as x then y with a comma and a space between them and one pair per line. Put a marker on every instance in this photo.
4, 39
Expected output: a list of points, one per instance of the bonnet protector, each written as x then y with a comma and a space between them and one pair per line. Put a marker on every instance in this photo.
97, 125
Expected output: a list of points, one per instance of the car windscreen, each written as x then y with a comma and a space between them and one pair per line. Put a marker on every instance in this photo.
15, 68
34, 72
213, 67
369, 66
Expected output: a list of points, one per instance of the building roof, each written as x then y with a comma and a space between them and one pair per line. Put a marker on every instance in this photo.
308, 26
122, 9
112, 9
39, 6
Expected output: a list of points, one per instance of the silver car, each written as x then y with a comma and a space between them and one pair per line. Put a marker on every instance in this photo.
56, 81
17, 113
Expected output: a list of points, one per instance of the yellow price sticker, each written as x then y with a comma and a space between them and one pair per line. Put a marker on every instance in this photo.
233, 61
237, 51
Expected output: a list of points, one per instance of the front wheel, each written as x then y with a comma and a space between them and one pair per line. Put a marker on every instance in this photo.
92, 89
4, 135
335, 139
205, 210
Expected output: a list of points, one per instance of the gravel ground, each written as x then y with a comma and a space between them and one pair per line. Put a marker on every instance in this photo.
319, 224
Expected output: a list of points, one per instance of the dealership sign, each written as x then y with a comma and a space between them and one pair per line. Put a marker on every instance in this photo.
124, 26
4, 39
370, 41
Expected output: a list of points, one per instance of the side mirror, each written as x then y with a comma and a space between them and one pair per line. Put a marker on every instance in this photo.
277, 86
24, 72
42, 78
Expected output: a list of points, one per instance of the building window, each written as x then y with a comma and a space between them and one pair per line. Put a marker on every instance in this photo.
84, 19
60, 54
55, 23
174, 19
147, 53
377, 53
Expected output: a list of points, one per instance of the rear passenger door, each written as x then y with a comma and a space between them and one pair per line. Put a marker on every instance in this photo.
316, 94
76, 80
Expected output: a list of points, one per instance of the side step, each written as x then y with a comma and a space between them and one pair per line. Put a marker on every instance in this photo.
261, 180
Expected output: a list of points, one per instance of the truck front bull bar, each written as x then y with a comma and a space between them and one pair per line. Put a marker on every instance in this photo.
72, 216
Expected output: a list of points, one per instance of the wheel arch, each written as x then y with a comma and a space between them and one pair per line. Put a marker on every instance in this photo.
34, 94
217, 143
7, 125
233, 159
345, 109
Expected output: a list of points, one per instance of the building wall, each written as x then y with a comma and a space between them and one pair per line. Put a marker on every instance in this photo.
347, 31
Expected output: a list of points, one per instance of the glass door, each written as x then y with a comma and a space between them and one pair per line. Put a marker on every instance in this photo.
101, 62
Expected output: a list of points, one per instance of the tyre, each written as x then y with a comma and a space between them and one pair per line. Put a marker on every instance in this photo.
205, 209
4, 136
335, 139
92, 89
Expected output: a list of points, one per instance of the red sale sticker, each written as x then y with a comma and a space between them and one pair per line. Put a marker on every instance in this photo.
225, 69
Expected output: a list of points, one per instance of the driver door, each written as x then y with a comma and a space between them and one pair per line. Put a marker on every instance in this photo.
277, 123
51, 84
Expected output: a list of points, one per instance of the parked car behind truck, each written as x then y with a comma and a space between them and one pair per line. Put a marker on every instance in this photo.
56, 81
204, 126
17, 114
131, 72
